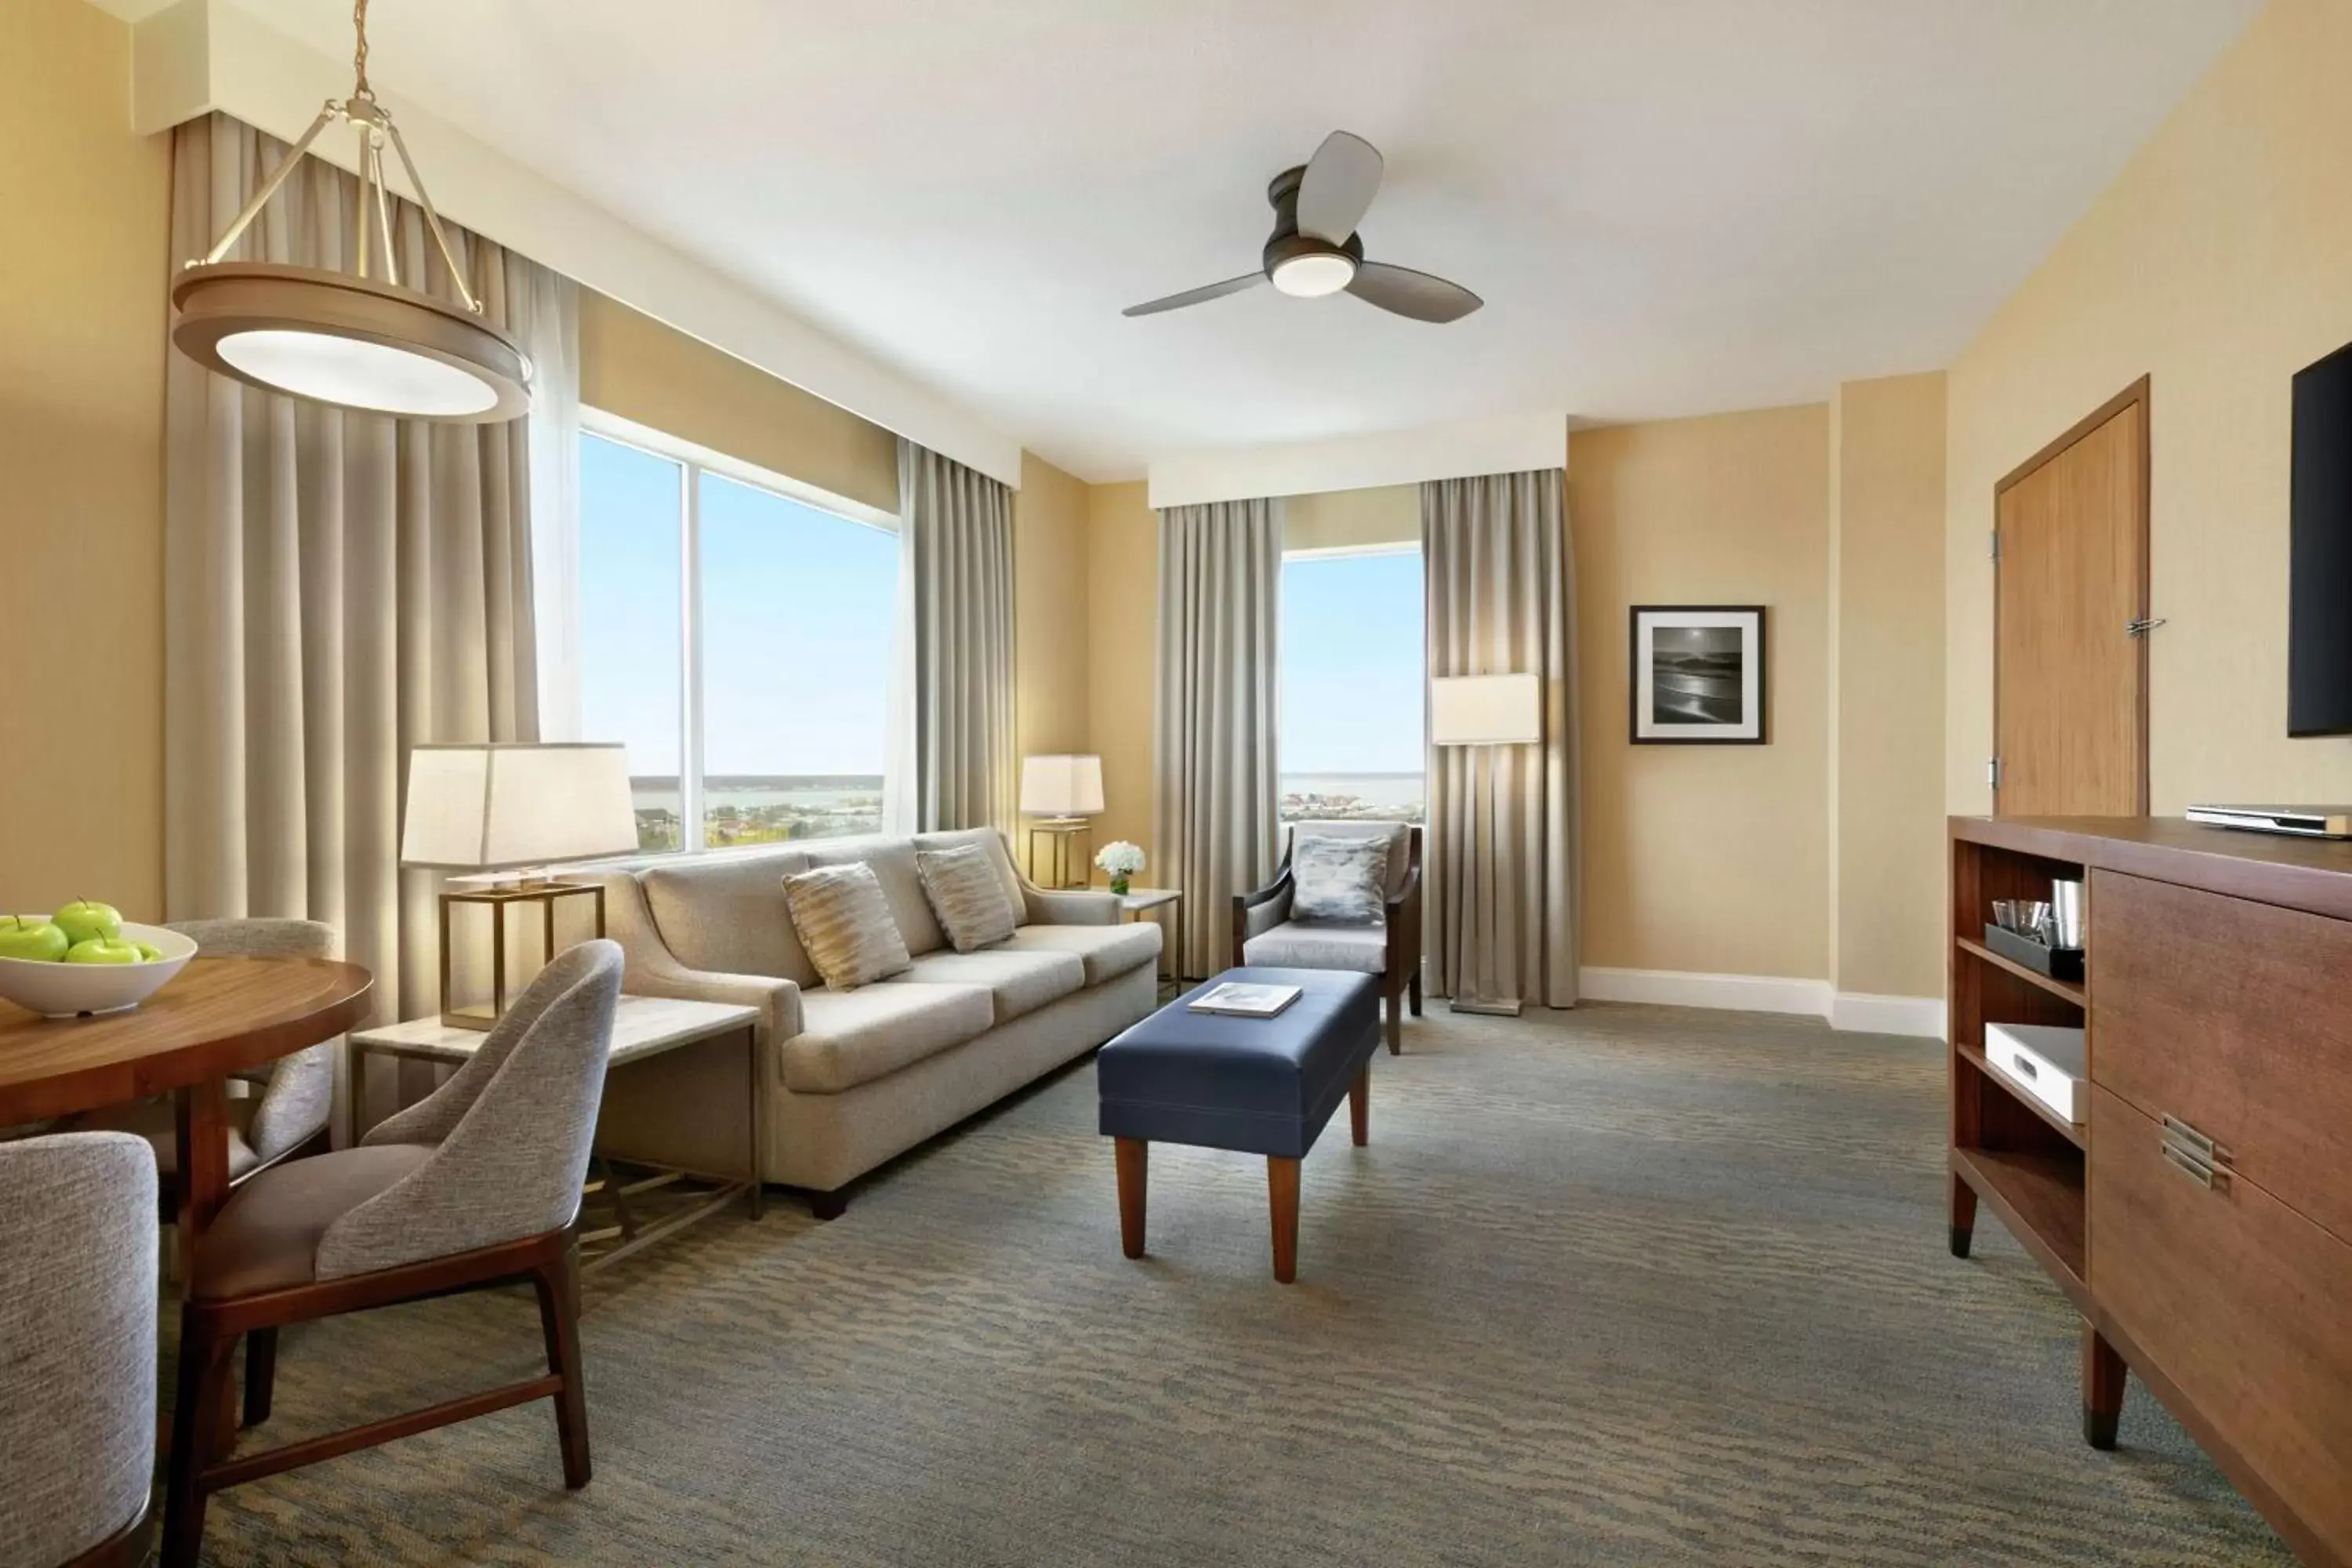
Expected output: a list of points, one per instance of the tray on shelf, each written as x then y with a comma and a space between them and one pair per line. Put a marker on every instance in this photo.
2058, 962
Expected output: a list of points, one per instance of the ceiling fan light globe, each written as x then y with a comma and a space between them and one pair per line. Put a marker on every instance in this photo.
1314, 274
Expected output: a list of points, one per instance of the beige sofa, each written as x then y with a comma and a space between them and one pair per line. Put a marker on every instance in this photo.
855, 1077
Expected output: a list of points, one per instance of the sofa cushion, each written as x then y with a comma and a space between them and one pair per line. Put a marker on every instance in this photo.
845, 923
991, 843
1339, 881
1018, 981
849, 1037
892, 862
966, 896
1297, 944
1107, 952
727, 914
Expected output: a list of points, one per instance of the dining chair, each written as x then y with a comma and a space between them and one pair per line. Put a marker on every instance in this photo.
288, 1119
78, 1246
478, 1184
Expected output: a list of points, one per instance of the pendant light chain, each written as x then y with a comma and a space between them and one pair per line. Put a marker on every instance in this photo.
359, 54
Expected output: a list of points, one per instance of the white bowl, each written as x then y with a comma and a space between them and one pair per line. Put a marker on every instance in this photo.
62, 990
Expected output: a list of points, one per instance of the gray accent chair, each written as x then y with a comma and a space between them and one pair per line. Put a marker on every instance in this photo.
78, 1250
288, 1119
1265, 937
476, 1185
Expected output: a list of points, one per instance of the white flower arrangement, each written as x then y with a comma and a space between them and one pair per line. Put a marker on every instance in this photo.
1119, 857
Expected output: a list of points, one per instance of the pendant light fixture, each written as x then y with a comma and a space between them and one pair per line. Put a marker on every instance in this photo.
352, 341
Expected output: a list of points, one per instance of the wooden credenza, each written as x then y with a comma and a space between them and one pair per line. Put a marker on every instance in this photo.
2201, 1220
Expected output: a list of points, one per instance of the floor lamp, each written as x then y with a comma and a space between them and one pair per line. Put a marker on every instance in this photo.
1484, 711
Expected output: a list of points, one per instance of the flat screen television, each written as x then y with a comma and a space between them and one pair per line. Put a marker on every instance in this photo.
2319, 552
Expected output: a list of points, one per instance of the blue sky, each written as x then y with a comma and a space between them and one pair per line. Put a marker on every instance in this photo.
1352, 664
797, 613
797, 609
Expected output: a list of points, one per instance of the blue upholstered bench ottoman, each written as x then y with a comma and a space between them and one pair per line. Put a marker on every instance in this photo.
1261, 1086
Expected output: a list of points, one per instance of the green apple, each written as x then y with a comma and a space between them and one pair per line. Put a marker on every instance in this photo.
147, 954
102, 950
34, 937
83, 920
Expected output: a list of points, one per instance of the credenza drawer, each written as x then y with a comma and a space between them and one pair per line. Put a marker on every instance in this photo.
2238, 1299
2235, 1018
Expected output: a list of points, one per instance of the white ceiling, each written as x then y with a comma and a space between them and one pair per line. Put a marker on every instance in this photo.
1671, 206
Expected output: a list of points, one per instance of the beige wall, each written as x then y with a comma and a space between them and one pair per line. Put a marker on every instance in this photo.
1122, 615
1705, 858
1351, 520
634, 366
82, 517
1049, 608
2219, 263
1886, 673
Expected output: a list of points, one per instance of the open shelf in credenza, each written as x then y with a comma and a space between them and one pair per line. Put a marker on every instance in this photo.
2064, 990
1974, 1055
2039, 1197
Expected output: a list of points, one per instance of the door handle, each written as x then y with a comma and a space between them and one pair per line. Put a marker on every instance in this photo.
2142, 626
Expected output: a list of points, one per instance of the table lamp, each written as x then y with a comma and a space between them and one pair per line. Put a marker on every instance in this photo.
1060, 793
502, 815
1483, 711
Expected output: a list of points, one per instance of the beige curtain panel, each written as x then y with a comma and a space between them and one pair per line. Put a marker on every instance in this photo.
340, 587
1213, 807
1500, 910
956, 552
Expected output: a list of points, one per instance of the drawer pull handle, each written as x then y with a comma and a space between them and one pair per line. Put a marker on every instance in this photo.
2189, 1165
2197, 1142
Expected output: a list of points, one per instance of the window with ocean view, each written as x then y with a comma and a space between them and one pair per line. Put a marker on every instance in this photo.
787, 626
1351, 665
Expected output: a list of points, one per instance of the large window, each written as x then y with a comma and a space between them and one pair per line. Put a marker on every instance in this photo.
1353, 663
738, 639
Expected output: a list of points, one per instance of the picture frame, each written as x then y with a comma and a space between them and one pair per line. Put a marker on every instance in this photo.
1697, 676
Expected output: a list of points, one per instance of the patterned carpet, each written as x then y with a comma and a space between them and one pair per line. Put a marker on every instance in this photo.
1623, 1286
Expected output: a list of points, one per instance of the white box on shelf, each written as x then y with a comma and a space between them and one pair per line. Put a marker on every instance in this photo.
2046, 1061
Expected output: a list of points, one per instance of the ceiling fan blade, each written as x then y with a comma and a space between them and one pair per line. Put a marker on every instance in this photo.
1196, 296
1404, 292
1339, 186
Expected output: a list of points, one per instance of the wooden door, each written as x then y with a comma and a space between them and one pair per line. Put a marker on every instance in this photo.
2070, 656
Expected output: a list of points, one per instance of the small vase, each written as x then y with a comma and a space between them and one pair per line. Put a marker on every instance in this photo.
1119, 886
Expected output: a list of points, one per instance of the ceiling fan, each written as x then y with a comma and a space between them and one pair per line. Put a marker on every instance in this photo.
1315, 248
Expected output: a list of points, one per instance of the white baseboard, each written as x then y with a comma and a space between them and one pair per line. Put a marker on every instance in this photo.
1727, 992
1875, 1014
1854, 1010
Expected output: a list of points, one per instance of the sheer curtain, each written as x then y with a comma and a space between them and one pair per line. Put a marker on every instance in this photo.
1216, 796
1500, 916
953, 758
340, 587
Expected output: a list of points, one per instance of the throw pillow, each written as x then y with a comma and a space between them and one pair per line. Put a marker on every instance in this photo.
1338, 881
844, 924
966, 895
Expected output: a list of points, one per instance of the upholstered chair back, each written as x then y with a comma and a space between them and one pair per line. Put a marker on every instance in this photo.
510, 1131
78, 1254
300, 1095
1397, 834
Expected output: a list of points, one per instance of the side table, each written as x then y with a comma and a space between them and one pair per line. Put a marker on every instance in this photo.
642, 1027
1137, 902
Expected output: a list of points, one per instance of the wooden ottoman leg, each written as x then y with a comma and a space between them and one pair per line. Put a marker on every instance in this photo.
1281, 1188
1359, 1106
1134, 1159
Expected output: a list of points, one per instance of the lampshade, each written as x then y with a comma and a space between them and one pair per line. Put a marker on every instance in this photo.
1061, 786
1484, 710
496, 807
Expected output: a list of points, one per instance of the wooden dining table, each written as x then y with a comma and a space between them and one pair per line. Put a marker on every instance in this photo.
218, 1018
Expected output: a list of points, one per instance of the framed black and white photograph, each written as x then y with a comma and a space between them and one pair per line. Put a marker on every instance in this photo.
1698, 675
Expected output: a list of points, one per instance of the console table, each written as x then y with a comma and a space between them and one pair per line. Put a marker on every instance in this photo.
2200, 1219
643, 1027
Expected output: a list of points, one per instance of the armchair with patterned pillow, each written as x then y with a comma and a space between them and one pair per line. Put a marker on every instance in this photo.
1346, 895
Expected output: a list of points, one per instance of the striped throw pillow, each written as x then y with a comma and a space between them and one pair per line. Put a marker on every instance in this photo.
844, 925
966, 895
